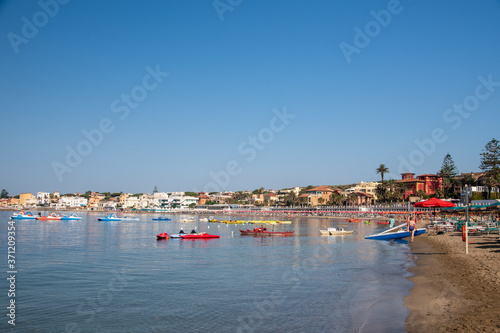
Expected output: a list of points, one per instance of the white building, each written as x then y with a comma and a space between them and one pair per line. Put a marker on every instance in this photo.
471, 189
366, 187
159, 199
106, 205
130, 202
43, 198
145, 201
295, 190
30, 202
72, 201
57, 205
181, 201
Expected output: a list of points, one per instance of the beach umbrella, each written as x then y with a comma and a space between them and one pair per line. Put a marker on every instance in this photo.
434, 203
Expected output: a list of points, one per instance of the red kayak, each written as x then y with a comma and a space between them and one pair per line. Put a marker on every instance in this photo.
161, 236
264, 232
199, 236
382, 222
354, 220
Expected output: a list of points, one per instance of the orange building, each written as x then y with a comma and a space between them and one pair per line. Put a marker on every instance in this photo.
363, 198
319, 195
95, 199
202, 198
427, 183
270, 198
27, 199
14, 202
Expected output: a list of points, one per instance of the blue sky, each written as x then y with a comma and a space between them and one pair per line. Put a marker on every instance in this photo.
258, 93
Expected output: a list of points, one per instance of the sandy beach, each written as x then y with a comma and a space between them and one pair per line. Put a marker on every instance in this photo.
455, 292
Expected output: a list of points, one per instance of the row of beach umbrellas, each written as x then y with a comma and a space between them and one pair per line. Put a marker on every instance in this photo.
438, 203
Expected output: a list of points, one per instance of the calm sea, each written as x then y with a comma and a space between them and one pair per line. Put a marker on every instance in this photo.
90, 276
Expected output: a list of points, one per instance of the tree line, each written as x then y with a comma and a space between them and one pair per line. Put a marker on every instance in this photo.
452, 181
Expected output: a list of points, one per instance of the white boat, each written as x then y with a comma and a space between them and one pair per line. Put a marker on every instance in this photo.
336, 231
203, 219
189, 220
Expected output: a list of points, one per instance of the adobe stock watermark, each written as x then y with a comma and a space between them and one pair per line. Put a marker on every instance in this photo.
291, 280
453, 116
121, 106
93, 305
249, 150
30, 28
223, 6
373, 28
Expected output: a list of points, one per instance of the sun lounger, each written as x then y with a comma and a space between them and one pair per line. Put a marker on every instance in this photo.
490, 230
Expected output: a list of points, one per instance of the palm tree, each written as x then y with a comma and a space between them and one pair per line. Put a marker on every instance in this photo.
382, 170
399, 191
336, 199
352, 198
391, 185
381, 191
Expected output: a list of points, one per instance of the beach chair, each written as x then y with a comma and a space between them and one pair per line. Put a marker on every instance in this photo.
490, 228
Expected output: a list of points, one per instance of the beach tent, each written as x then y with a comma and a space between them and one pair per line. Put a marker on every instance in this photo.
493, 206
453, 209
478, 207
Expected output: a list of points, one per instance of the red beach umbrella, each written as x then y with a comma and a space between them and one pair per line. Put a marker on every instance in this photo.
433, 203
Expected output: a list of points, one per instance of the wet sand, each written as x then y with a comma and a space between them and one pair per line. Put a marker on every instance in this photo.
455, 292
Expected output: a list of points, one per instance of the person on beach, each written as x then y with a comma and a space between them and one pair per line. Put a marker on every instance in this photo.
411, 227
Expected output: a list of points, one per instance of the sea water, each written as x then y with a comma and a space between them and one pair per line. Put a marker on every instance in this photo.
91, 276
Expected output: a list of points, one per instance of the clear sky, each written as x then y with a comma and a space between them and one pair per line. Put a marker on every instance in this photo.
230, 94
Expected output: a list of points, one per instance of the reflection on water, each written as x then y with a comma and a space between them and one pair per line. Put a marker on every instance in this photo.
116, 277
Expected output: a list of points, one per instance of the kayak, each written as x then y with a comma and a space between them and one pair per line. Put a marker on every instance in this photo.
199, 236
264, 232
161, 236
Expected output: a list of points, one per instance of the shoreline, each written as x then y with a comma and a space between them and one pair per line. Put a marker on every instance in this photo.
454, 291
